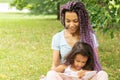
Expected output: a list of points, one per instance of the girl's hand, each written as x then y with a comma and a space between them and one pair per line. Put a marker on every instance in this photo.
64, 77
81, 73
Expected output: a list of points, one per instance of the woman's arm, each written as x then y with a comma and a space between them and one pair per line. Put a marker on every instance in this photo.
56, 59
96, 45
60, 68
96, 51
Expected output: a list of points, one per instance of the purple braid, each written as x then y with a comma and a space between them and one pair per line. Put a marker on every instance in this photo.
86, 31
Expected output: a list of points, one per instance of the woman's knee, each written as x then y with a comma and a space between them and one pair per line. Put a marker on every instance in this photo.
103, 74
51, 73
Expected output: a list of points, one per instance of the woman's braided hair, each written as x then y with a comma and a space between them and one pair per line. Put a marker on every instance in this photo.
86, 31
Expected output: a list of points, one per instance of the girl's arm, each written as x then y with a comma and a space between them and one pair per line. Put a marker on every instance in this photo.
56, 59
60, 68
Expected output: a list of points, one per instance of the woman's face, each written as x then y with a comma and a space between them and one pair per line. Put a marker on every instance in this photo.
71, 22
79, 61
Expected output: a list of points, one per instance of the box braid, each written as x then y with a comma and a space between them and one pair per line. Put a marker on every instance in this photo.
86, 31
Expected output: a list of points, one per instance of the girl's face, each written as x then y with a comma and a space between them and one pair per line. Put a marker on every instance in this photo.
79, 61
71, 22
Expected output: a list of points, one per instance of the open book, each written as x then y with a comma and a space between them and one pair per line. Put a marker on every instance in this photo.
70, 77
87, 76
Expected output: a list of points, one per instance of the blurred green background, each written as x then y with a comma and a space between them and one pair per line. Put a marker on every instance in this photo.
25, 44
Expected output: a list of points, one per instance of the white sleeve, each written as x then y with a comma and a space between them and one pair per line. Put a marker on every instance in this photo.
95, 41
56, 42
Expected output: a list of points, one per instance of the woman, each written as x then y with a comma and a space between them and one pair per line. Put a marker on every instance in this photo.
77, 27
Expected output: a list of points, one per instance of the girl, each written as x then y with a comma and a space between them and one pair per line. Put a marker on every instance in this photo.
79, 65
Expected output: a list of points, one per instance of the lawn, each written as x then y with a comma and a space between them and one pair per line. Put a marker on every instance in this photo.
25, 47
6, 1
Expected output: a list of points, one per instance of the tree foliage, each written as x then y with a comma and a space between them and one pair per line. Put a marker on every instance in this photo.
103, 13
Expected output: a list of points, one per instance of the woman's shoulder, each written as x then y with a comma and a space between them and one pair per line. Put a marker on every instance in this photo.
56, 39
58, 34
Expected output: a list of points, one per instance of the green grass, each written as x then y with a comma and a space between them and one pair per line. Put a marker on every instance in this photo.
25, 47
6, 1
110, 53
18, 16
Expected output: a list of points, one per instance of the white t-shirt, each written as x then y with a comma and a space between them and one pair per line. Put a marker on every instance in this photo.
70, 72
